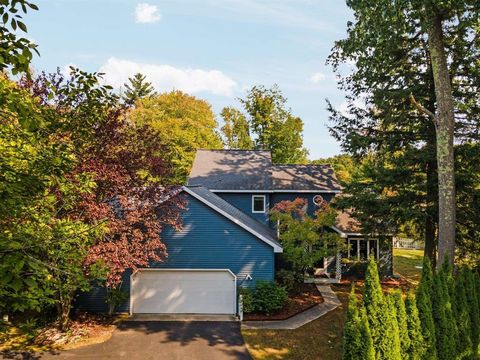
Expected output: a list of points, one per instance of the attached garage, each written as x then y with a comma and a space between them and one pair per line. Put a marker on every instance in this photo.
183, 291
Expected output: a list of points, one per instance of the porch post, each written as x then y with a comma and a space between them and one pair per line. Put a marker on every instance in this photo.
338, 267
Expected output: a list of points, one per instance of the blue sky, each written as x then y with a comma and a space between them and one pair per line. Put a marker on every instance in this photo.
213, 49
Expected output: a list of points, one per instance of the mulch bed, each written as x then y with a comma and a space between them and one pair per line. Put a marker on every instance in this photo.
306, 297
82, 327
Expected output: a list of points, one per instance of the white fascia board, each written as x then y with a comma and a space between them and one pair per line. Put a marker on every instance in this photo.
340, 232
276, 248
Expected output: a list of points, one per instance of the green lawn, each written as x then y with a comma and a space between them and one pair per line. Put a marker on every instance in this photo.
322, 339
407, 263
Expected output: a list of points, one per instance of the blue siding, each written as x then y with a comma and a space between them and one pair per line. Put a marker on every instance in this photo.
208, 240
243, 201
277, 197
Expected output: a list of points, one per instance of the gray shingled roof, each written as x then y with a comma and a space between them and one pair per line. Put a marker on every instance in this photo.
217, 203
304, 177
253, 170
232, 169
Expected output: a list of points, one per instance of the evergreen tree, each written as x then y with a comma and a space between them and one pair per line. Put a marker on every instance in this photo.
448, 288
417, 347
461, 311
394, 60
444, 332
472, 300
137, 88
357, 340
424, 306
380, 317
402, 324
396, 350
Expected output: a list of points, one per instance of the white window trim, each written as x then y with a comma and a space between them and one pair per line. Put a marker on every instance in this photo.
357, 258
264, 204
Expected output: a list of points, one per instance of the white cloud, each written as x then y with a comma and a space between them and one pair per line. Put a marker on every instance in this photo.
317, 77
147, 13
167, 77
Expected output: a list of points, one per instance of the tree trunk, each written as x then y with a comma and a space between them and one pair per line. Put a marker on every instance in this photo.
444, 121
431, 211
63, 312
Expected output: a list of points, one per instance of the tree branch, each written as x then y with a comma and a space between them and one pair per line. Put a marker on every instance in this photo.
421, 108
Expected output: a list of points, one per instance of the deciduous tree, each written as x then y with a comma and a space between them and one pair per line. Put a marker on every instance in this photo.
183, 124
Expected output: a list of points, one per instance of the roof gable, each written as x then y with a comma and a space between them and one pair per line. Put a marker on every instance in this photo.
232, 213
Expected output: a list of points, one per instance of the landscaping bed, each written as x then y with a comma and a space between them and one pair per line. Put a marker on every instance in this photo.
85, 329
304, 298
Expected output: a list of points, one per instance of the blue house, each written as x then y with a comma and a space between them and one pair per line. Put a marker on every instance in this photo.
227, 240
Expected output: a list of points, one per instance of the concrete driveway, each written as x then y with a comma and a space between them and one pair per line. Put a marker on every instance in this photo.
142, 340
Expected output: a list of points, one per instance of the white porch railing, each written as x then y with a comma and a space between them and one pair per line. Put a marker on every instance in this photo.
404, 243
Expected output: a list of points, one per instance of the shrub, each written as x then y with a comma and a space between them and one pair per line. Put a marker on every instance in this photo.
445, 330
247, 296
288, 279
357, 340
417, 348
402, 323
381, 317
268, 297
115, 298
424, 306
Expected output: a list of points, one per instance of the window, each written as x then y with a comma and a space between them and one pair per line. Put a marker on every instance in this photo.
361, 249
318, 200
258, 203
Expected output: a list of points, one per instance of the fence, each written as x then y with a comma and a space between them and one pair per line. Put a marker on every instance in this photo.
403, 243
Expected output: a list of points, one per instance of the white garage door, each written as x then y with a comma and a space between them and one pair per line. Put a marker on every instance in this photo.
156, 291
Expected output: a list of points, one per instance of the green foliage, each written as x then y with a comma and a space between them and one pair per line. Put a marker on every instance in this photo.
461, 311
236, 132
402, 322
381, 317
398, 184
15, 51
470, 304
445, 326
344, 166
248, 299
137, 88
424, 305
116, 296
183, 124
270, 123
305, 239
288, 279
417, 347
357, 340
268, 297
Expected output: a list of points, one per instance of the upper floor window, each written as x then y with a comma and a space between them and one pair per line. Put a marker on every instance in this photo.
258, 203
318, 200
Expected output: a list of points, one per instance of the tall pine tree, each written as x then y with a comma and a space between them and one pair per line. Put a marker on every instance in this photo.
137, 88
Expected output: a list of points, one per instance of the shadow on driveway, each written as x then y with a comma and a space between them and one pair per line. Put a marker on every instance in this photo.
132, 340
